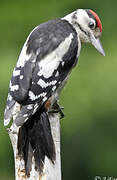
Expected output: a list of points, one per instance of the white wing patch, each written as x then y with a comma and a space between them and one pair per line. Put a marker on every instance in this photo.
14, 87
43, 84
10, 97
23, 55
30, 106
16, 72
6, 122
44, 99
51, 62
54, 87
33, 97
57, 74
63, 63
21, 77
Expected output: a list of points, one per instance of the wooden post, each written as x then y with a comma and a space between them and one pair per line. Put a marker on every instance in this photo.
51, 171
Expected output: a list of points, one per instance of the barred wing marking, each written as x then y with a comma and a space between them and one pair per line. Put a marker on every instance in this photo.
40, 51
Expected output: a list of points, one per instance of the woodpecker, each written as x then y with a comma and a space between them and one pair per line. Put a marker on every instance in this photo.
46, 60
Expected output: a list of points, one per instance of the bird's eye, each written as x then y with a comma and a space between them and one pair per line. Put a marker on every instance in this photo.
92, 25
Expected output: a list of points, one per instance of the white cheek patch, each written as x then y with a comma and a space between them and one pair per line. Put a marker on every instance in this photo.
82, 17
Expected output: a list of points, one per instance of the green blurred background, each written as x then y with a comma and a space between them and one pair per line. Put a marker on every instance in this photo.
89, 129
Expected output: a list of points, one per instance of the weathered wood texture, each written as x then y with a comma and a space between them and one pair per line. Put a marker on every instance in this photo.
51, 171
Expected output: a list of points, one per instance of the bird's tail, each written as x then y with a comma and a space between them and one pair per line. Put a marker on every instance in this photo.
35, 140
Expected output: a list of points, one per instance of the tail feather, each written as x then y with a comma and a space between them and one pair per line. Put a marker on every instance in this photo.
35, 139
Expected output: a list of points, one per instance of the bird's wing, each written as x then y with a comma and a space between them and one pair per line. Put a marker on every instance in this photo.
44, 63
20, 82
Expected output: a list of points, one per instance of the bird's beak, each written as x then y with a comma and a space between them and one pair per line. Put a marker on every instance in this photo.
97, 44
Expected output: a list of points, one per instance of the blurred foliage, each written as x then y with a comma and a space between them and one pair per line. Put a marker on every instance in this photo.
89, 129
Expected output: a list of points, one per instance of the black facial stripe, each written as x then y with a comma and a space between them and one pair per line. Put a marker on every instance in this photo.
81, 28
75, 17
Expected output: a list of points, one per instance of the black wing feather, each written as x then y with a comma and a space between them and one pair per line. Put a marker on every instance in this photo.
41, 42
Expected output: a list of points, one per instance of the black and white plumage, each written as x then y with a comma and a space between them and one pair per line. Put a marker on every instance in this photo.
46, 60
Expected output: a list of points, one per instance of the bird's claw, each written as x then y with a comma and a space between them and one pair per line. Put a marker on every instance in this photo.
57, 109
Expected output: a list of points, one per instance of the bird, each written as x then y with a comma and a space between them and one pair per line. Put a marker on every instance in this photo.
44, 65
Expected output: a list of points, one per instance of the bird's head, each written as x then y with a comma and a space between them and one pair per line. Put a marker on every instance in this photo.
89, 27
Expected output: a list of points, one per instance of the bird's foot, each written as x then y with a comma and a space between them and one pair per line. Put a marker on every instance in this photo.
57, 109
